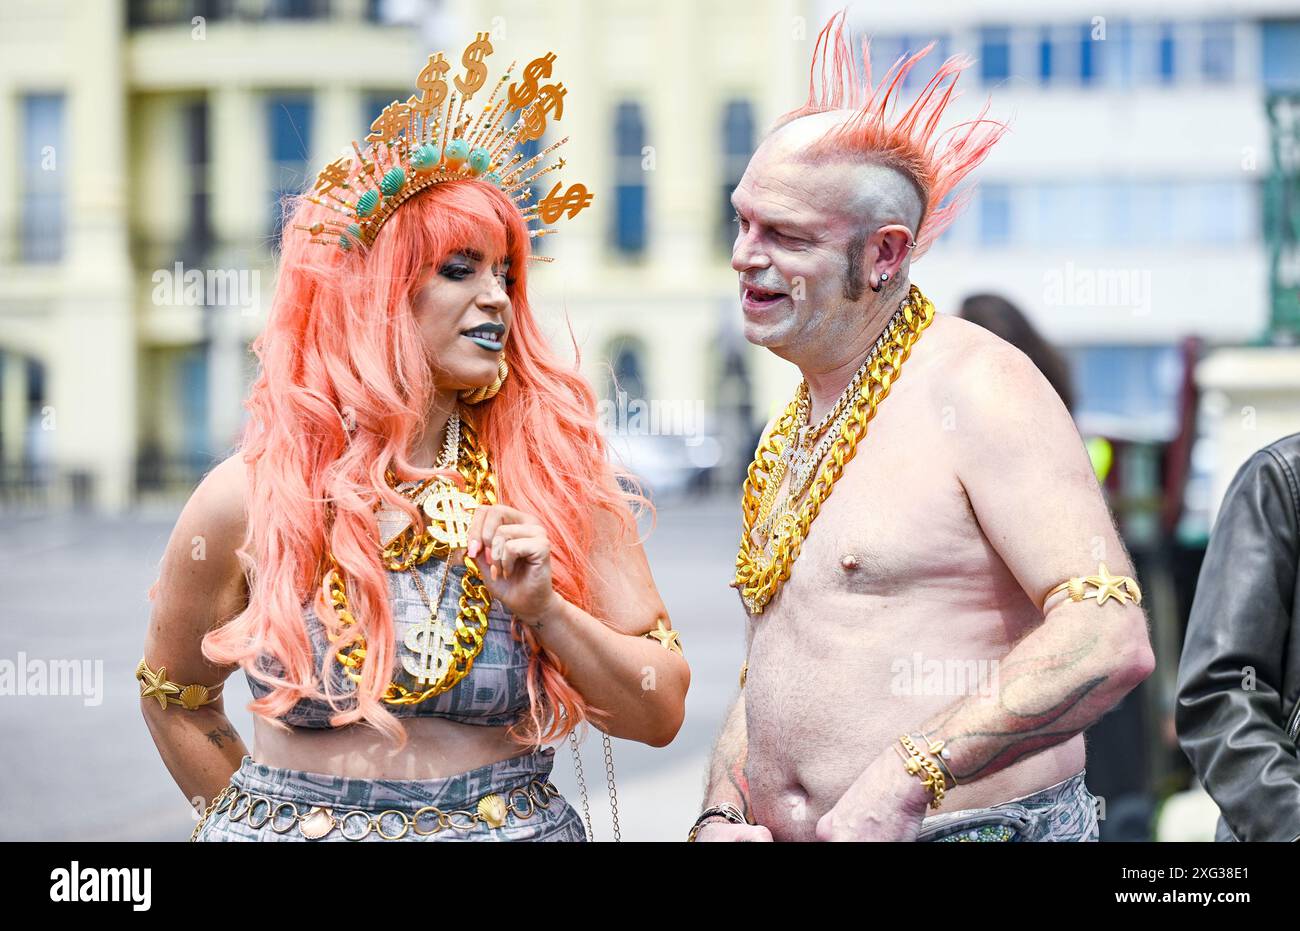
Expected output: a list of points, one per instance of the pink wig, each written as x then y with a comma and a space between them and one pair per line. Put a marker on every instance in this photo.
341, 341
910, 145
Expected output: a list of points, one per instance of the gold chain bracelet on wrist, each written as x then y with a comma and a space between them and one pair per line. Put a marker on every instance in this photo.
919, 765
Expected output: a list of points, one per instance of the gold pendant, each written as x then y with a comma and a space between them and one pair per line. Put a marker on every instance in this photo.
429, 641
450, 511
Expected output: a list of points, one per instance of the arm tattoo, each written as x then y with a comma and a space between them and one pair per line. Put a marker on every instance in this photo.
1036, 722
215, 736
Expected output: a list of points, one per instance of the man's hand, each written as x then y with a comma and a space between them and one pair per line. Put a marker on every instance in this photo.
720, 831
885, 803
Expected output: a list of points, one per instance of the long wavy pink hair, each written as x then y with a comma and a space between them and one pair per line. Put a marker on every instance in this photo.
341, 342
910, 144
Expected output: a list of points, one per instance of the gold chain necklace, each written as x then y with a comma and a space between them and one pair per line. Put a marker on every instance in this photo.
760, 571
445, 660
799, 456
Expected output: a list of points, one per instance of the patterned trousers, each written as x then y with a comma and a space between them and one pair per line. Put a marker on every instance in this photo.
1066, 811
512, 800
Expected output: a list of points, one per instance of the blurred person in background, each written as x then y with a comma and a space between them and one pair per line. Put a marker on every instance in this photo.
914, 508
1238, 710
420, 556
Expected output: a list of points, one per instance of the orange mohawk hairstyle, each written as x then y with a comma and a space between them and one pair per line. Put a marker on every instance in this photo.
910, 145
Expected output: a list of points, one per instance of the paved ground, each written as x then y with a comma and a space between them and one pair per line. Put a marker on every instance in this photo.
84, 767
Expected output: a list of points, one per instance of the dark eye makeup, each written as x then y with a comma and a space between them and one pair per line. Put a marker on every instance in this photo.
456, 269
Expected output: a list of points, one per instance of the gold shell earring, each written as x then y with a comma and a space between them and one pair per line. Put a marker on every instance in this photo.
475, 395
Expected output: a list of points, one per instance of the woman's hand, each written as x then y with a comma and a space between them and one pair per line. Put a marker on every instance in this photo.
518, 560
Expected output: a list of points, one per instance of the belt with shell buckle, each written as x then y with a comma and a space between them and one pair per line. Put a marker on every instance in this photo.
318, 820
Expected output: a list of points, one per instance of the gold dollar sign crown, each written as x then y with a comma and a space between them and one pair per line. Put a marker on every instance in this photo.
435, 136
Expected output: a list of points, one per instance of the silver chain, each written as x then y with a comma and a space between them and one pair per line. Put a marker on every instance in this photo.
613, 793
582, 784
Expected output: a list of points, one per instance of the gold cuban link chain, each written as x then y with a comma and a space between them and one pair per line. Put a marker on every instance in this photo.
759, 576
412, 547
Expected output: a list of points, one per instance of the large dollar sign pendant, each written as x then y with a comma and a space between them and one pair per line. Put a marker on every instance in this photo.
450, 510
429, 642
522, 92
475, 70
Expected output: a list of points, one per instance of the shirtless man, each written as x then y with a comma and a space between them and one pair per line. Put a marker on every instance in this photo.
969, 499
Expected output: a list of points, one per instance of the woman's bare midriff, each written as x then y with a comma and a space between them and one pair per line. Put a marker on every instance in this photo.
435, 748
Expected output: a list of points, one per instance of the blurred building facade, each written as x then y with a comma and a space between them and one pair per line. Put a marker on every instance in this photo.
1145, 195
151, 140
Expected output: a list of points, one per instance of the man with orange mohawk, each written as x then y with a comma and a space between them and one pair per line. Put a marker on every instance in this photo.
926, 634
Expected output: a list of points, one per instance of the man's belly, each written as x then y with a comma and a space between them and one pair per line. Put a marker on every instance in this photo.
823, 700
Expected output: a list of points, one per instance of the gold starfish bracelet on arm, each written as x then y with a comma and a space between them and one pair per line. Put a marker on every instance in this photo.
157, 686
1105, 586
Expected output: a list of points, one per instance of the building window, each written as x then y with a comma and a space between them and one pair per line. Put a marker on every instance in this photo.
1088, 57
995, 214
198, 237
1218, 48
528, 150
1129, 385
44, 162
629, 180
627, 369
1165, 54
1281, 55
995, 53
290, 137
192, 373
737, 147
1045, 55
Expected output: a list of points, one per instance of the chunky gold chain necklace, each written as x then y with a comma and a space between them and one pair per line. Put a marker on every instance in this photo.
444, 660
762, 569
800, 456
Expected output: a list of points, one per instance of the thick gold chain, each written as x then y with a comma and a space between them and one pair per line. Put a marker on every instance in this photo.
410, 548
759, 576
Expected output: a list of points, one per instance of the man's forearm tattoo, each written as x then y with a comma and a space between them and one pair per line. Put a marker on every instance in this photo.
1037, 722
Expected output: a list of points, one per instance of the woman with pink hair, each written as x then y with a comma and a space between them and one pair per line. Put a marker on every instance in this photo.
420, 555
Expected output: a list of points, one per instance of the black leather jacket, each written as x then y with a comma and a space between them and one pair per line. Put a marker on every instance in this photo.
1238, 729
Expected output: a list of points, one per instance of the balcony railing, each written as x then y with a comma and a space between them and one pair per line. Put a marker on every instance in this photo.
147, 13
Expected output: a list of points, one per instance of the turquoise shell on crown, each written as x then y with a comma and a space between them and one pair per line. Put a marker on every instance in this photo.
367, 203
392, 181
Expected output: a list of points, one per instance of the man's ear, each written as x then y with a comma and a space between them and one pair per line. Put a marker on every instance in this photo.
887, 251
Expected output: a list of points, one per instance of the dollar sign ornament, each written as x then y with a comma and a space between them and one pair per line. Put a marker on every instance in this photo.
523, 92
433, 89
554, 205
550, 99
428, 640
475, 70
450, 510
